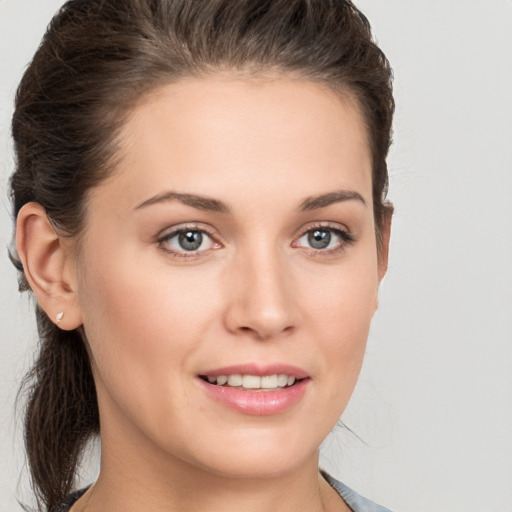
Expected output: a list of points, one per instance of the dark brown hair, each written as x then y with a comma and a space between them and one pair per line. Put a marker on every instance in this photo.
96, 60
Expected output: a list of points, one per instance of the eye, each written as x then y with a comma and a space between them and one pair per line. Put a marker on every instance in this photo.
319, 238
187, 242
326, 239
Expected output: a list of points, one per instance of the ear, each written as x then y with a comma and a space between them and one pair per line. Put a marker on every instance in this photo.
385, 235
48, 265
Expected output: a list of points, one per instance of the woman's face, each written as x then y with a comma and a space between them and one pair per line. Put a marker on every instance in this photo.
235, 240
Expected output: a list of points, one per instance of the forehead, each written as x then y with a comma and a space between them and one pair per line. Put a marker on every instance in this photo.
273, 133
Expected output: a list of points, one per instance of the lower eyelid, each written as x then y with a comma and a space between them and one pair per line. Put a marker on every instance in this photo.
163, 242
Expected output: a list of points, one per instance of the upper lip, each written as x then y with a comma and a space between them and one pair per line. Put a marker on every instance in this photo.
260, 370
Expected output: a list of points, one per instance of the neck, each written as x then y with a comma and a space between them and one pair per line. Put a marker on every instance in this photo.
197, 491
131, 486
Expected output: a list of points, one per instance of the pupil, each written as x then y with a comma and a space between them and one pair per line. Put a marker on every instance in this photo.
319, 239
191, 240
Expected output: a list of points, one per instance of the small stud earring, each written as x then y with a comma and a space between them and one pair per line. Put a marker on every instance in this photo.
59, 316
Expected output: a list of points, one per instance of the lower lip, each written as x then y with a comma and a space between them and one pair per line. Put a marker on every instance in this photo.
257, 403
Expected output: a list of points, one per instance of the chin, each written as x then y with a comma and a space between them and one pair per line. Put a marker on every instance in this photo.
264, 457
258, 468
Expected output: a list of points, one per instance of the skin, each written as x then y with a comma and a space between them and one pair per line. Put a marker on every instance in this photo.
255, 291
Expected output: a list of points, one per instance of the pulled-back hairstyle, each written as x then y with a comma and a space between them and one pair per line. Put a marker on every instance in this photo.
97, 59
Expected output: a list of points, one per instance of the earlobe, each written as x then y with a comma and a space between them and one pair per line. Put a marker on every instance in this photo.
48, 266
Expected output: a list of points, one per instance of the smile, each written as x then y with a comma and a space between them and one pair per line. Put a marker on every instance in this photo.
257, 390
252, 382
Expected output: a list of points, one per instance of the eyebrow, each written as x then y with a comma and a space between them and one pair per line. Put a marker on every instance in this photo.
214, 205
196, 201
323, 200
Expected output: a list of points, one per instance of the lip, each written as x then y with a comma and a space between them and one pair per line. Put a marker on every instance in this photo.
257, 402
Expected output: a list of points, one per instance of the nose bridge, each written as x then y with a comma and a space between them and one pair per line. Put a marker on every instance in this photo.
263, 301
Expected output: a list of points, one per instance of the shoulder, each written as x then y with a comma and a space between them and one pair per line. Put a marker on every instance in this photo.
354, 500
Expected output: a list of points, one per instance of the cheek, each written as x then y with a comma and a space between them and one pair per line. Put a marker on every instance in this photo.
342, 299
136, 313
340, 313
143, 332
145, 322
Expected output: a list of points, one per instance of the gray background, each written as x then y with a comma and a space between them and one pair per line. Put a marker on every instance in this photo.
433, 404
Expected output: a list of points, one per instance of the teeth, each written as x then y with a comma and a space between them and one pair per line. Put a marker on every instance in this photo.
253, 381
282, 380
270, 381
235, 380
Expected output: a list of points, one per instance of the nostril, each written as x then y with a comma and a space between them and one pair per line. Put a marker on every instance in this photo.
266, 332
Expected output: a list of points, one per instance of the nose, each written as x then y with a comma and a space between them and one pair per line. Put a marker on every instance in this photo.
262, 300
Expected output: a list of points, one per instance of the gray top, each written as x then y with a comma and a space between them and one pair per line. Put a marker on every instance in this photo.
356, 502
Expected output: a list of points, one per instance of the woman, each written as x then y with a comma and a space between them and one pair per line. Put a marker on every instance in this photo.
201, 216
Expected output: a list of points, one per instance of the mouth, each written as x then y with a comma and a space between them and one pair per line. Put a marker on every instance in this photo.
250, 382
253, 389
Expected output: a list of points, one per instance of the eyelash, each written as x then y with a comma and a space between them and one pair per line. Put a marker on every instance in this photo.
164, 239
345, 237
